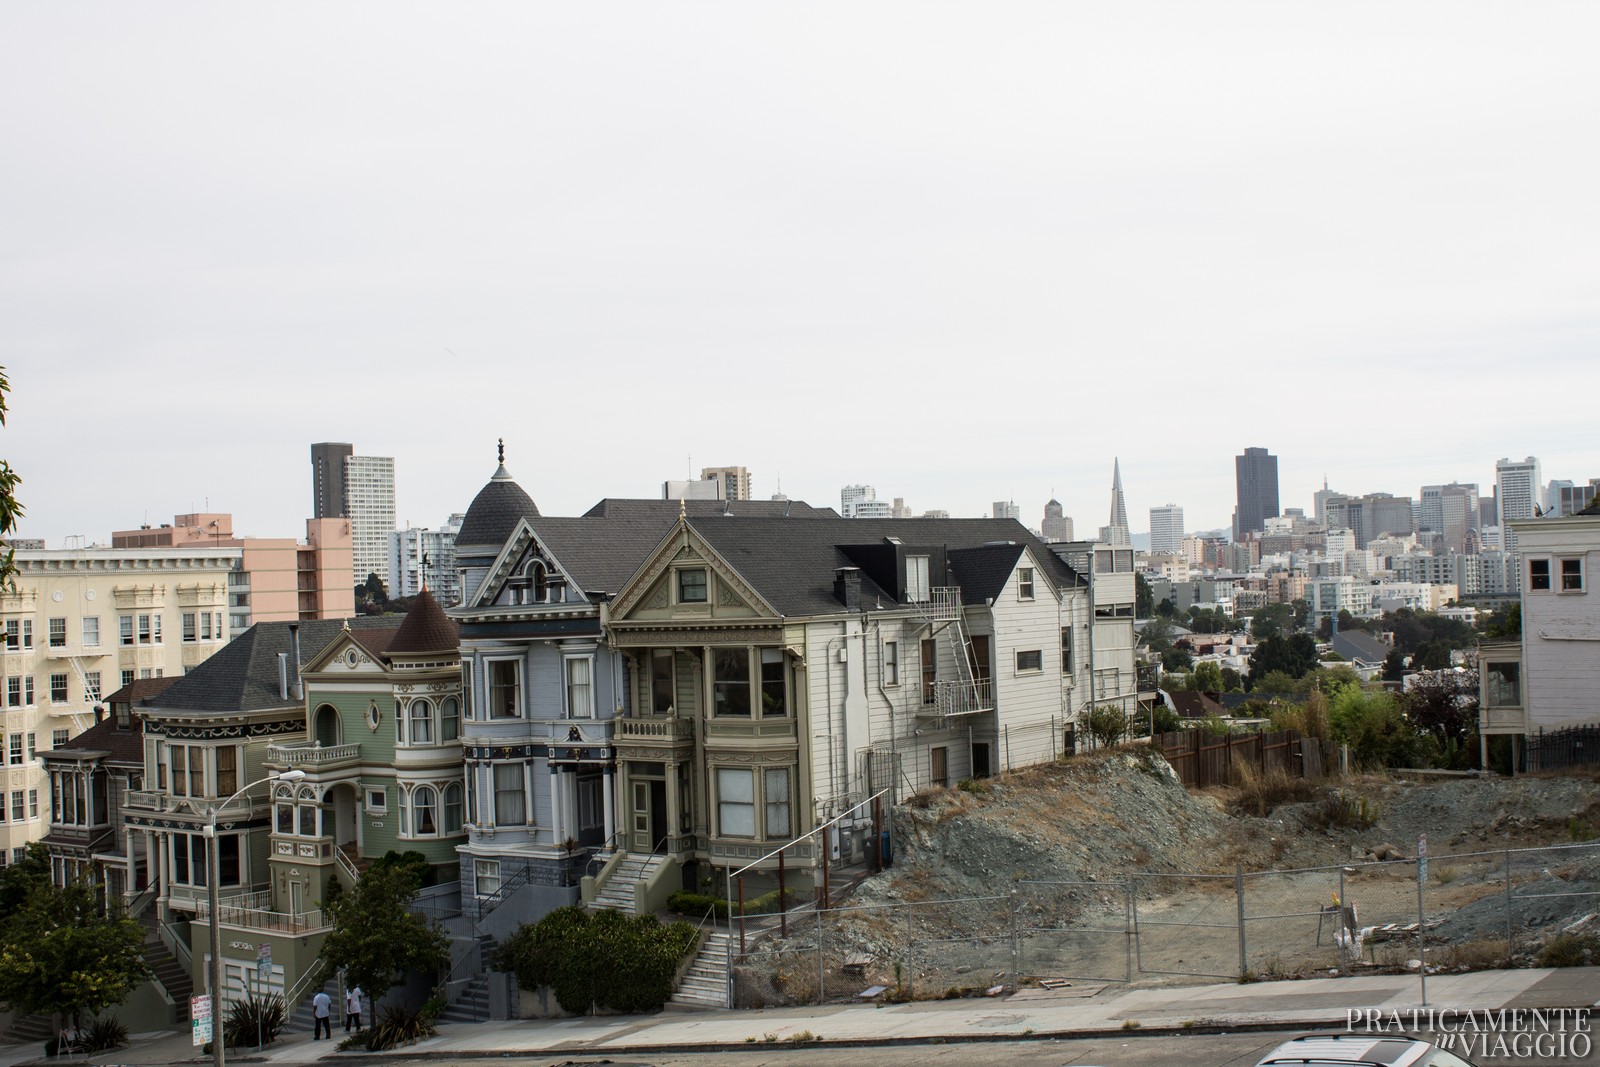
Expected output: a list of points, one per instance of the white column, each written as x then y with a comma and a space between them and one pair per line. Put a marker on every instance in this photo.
557, 824
606, 792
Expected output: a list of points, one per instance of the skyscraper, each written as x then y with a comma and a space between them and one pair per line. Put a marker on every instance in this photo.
1256, 480
1115, 531
1006, 509
735, 481
1166, 529
1057, 526
1516, 488
361, 489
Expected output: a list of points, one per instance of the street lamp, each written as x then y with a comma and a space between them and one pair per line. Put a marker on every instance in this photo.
213, 873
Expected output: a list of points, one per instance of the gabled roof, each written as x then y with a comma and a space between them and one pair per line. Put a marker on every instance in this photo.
121, 745
983, 572
1359, 645
425, 629
629, 507
243, 674
1192, 705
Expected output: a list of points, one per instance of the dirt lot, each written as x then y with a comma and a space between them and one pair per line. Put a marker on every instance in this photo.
1051, 868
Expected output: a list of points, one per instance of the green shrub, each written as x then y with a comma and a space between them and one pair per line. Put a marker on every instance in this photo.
1163, 720
244, 1016
1372, 724
1107, 724
602, 959
106, 1032
1344, 811
1569, 950
397, 1025
696, 905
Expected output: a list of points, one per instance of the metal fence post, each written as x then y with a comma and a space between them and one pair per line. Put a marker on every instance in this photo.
1238, 892
1344, 942
910, 968
1129, 924
1511, 945
1133, 911
822, 979
1016, 946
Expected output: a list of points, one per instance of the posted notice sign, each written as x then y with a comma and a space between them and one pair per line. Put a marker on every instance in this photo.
200, 1019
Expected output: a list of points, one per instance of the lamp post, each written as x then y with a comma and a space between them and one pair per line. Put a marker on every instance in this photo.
213, 868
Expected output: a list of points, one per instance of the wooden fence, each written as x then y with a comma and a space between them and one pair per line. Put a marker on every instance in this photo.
1573, 746
1202, 759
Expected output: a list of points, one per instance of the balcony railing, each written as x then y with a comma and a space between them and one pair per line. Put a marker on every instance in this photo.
943, 604
654, 729
143, 799
253, 911
75, 651
960, 698
311, 753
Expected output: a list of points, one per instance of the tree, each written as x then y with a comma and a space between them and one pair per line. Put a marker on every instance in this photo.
63, 953
1444, 706
1431, 656
1295, 655
1176, 658
1107, 724
1157, 634
1232, 681
1207, 678
375, 939
1372, 724
1394, 665
1502, 624
20, 881
1270, 620
1166, 608
1144, 600
10, 510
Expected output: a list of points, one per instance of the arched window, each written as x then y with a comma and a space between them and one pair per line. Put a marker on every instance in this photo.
452, 808
310, 810
423, 802
327, 724
449, 719
283, 808
421, 723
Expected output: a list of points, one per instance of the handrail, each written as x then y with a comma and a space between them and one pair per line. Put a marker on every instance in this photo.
142, 900
506, 890
347, 863
303, 984
608, 845
174, 944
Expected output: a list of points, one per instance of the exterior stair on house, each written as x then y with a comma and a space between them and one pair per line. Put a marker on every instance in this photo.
471, 1005
617, 892
705, 984
300, 1017
170, 973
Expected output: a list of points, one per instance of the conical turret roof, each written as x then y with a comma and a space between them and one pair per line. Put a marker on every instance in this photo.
425, 629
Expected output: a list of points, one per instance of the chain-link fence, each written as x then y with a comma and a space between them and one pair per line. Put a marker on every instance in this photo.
1477, 909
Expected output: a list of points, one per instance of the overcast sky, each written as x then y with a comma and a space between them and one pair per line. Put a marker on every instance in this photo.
961, 252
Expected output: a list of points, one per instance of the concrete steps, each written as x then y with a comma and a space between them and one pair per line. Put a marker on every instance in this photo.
472, 1005
705, 984
617, 892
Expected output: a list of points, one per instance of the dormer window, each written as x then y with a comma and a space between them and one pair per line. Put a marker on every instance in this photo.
692, 585
917, 579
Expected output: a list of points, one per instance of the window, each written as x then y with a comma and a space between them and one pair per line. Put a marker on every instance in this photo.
14, 692
91, 685
423, 803
58, 633
33, 803
197, 772
125, 628
774, 687
33, 747
227, 858
91, 631
692, 586
420, 723
1502, 685
917, 579
227, 771
58, 738
1066, 650
1030, 661
284, 817
930, 669
662, 678
1024, 583
308, 813
161, 765
580, 687
510, 797
377, 801
15, 749
13, 635
1539, 574
505, 693
466, 687
19, 810
486, 875
126, 678
58, 688
891, 663
205, 625
1572, 575
730, 687
449, 719
180, 772
736, 802
144, 629
189, 629
777, 797
450, 809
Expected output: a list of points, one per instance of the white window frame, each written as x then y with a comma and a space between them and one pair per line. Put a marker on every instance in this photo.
1037, 667
489, 664
578, 696
57, 631
1560, 576
486, 879
725, 777
91, 631
1025, 583
891, 664
919, 576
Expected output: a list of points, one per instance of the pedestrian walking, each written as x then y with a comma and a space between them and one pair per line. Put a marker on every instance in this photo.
352, 1008
322, 1025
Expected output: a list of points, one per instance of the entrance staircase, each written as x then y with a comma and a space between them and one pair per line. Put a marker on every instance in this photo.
170, 973
705, 984
616, 894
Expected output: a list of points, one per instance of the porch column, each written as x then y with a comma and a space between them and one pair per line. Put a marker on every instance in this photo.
557, 823
606, 798
672, 804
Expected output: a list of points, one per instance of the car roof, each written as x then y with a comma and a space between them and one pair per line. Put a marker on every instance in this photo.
1396, 1051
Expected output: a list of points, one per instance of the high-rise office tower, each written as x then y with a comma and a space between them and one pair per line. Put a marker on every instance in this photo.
1006, 509
1115, 531
1166, 529
361, 489
735, 481
1517, 489
1056, 526
853, 498
1256, 480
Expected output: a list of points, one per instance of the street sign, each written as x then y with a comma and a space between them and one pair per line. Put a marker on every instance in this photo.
200, 1018
264, 959
1422, 858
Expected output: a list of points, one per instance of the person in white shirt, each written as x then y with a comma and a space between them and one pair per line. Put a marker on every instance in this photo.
322, 1026
352, 1008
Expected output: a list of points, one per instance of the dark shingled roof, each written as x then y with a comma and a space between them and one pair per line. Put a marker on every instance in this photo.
495, 511
425, 629
243, 674
1356, 645
982, 572
121, 744
634, 508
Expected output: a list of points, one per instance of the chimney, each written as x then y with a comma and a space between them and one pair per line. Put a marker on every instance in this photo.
283, 675
294, 650
847, 587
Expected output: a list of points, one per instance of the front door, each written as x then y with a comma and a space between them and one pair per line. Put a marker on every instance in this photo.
980, 759
649, 827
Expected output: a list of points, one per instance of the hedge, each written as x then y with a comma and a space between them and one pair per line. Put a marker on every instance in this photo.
601, 959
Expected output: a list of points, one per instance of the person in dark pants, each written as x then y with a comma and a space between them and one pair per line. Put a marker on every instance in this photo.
322, 1025
352, 1008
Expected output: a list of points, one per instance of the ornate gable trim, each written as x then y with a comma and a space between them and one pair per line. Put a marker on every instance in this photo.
683, 543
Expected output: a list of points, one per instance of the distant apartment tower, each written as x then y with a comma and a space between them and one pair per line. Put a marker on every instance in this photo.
1517, 489
1255, 475
735, 481
1006, 509
692, 489
418, 555
1449, 515
361, 489
853, 497
1166, 530
1057, 526
1569, 499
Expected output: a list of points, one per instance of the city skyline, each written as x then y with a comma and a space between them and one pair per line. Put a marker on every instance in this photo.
1027, 222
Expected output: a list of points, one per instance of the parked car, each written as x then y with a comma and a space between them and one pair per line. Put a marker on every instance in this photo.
1379, 1050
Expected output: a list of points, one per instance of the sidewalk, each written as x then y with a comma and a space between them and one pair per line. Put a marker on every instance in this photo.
1080, 1010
